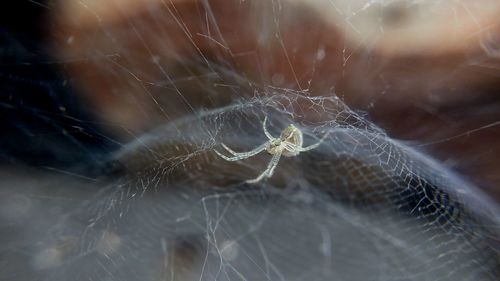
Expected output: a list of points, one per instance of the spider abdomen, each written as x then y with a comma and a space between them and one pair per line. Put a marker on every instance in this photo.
291, 139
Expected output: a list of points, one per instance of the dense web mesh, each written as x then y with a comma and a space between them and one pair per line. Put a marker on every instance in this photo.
358, 207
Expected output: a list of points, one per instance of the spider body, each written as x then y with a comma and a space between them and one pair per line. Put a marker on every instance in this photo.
288, 144
290, 139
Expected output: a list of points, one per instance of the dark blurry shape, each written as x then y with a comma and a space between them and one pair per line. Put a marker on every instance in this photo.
44, 122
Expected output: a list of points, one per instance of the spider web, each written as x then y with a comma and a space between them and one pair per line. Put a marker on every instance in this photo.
361, 206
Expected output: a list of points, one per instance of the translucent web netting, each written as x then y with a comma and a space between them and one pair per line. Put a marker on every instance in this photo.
361, 206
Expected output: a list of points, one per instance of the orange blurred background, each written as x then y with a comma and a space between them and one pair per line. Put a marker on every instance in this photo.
425, 71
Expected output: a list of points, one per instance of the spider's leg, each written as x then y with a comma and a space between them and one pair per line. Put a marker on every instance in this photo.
234, 153
269, 170
259, 178
229, 149
264, 126
290, 146
313, 146
243, 155
252, 152
273, 164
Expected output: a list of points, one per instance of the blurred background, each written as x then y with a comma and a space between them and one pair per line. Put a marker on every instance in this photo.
82, 79
77, 73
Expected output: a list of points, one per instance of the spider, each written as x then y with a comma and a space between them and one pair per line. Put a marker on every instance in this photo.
288, 144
